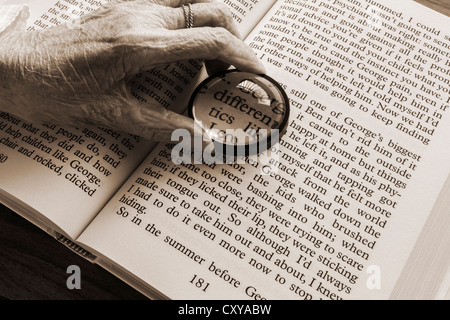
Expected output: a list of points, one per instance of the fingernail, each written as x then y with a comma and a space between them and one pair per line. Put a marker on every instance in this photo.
260, 67
207, 143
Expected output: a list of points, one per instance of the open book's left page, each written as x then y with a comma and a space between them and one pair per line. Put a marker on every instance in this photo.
65, 174
60, 177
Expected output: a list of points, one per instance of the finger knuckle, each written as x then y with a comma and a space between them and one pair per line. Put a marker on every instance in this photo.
223, 12
220, 36
222, 9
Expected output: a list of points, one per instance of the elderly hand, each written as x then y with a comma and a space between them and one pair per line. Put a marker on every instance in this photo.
78, 76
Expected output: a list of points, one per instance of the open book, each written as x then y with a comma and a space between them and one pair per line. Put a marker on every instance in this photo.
341, 211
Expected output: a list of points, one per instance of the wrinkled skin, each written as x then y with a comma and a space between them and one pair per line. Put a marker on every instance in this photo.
77, 76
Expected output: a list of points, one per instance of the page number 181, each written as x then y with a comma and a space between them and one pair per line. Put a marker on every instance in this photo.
199, 283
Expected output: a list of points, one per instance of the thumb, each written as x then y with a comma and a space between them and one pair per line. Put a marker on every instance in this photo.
156, 123
188, 136
175, 125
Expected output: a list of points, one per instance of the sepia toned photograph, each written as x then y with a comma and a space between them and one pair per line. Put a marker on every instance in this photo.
225, 150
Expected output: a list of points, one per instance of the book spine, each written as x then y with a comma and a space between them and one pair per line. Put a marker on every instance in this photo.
75, 247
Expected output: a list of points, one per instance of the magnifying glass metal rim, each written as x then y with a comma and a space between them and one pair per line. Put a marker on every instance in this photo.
251, 148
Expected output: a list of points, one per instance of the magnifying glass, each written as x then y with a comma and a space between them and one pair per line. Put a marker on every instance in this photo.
243, 113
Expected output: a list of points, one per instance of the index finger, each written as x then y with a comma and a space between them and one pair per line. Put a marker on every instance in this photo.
211, 14
202, 43
179, 3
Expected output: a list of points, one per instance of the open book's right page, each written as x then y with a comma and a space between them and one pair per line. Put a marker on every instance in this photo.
336, 210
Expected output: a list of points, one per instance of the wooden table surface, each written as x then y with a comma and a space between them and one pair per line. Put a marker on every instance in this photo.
33, 265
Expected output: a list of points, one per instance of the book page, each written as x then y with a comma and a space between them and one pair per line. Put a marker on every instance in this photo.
67, 174
336, 215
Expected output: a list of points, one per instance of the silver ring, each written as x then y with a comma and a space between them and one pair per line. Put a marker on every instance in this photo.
188, 16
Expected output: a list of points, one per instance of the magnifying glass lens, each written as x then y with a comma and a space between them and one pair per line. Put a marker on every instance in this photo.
240, 111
